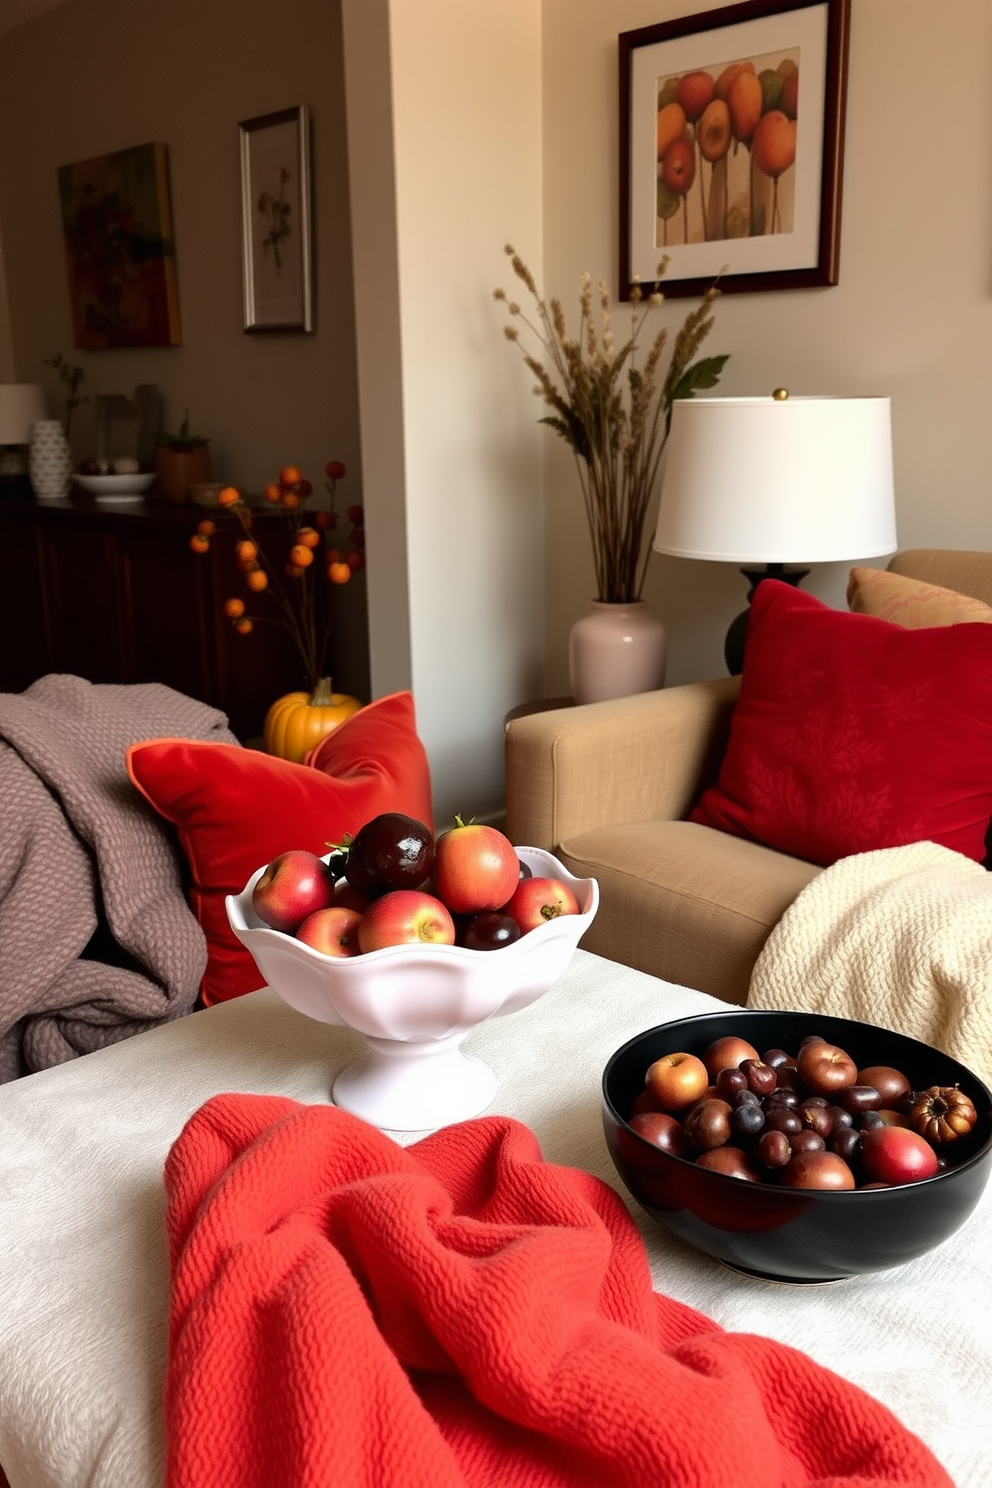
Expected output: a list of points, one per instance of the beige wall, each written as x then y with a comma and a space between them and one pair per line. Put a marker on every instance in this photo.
445, 152
911, 316
98, 75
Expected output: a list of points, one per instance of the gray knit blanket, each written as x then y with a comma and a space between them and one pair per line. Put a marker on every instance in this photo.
97, 941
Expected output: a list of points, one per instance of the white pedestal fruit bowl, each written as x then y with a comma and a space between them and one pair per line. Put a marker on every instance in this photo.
414, 1005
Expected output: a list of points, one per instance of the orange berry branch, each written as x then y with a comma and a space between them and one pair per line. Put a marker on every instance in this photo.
309, 556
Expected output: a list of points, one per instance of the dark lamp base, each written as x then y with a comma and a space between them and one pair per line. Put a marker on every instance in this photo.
733, 646
15, 484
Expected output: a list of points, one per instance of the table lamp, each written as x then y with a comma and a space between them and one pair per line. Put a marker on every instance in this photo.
21, 403
776, 481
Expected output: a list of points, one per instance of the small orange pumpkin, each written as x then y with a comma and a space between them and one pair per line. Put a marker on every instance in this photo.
296, 723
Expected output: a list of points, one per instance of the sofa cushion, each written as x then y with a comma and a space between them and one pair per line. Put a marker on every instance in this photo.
852, 733
236, 809
684, 902
910, 602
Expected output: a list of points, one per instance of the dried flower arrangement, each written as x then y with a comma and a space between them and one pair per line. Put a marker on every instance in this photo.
614, 415
310, 558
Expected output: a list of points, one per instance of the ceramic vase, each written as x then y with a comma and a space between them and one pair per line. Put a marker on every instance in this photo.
49, 460
615, 650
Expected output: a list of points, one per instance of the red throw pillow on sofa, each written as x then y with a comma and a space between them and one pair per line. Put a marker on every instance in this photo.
237, 808
852, 734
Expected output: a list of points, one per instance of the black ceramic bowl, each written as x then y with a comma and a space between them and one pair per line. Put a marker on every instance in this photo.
797, 1235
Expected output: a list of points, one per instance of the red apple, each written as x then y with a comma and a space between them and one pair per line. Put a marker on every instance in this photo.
728, 1052
676, 1080
295, 884
405, 917
476, 868
730, 1161
825, 1068
333, 931
537, 900
893, 1154
817, 1170
661, 1131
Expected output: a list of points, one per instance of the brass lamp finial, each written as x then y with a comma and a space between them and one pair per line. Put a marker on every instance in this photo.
780, 395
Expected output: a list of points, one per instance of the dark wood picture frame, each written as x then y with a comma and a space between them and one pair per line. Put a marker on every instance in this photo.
797, 246
276, 211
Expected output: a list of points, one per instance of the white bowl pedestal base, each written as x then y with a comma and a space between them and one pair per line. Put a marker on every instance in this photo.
415, 1086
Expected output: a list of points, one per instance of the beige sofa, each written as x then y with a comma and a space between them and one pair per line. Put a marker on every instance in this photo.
607, 787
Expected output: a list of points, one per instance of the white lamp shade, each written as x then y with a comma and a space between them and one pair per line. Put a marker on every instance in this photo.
21, 403
765, 480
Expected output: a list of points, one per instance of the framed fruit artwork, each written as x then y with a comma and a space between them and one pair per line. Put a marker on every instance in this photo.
731, 147
120, 253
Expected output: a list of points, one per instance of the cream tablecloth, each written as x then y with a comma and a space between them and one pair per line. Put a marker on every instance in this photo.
83, 1262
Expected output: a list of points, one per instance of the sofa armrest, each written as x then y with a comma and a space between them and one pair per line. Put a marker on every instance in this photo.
638, 758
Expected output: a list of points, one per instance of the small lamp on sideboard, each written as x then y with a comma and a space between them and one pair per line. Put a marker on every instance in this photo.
777, 481
21, 403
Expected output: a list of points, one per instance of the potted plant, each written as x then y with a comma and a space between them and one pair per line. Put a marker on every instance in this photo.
181, 460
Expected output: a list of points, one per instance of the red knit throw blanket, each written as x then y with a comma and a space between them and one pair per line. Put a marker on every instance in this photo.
348, 1313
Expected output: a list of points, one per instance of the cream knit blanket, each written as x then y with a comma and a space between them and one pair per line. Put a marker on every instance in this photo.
901, 938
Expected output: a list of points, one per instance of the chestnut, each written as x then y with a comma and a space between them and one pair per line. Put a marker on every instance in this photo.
816, 1117
890, 1083
761, 1078
846, 1142
859, 1098
781, 1097
707, 1125
773, 1149
730, 1082
806, 1141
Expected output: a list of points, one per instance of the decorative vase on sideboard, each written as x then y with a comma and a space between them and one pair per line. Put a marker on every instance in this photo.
179, 469
617, 649
49, 460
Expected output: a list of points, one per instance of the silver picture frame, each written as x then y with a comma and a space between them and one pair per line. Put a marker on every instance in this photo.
276, 221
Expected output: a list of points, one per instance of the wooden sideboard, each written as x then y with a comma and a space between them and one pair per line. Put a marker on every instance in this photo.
114, 594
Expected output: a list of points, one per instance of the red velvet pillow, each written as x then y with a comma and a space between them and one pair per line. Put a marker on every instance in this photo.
237, 808
852, 734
